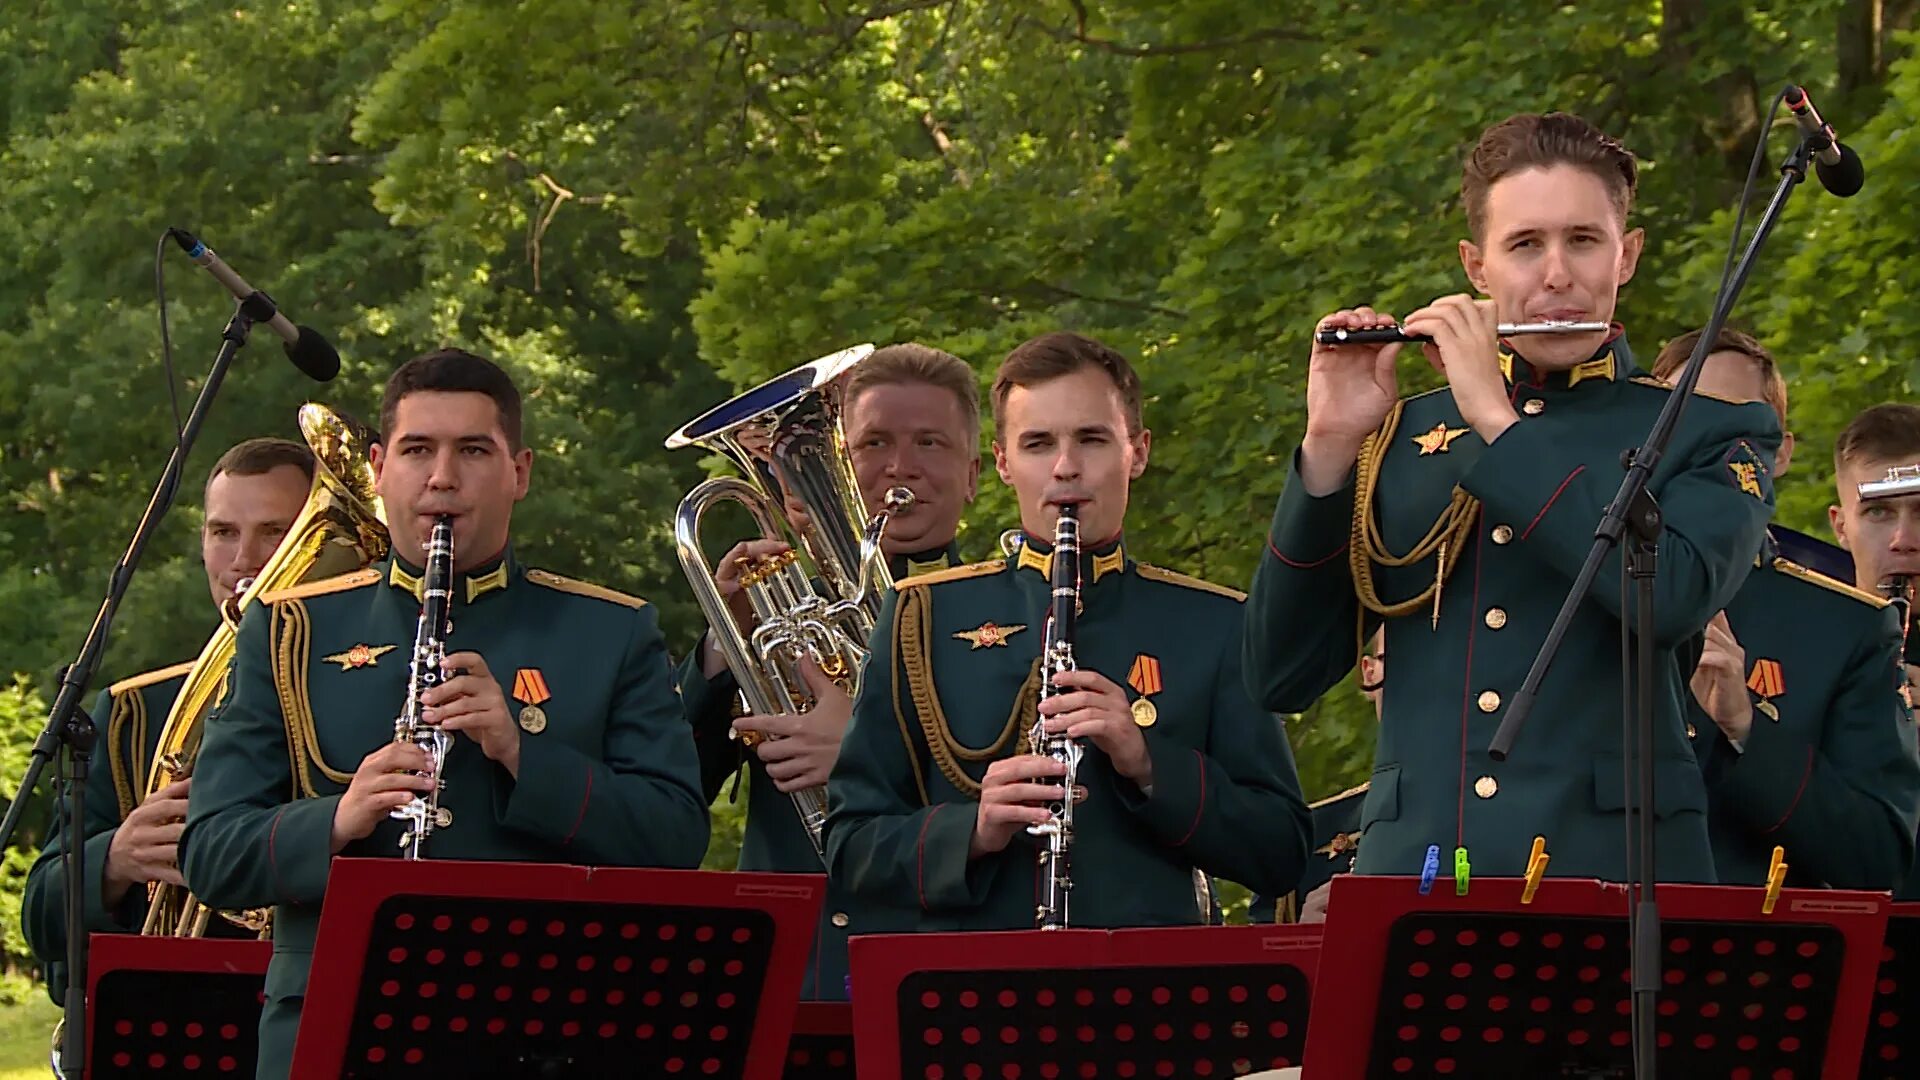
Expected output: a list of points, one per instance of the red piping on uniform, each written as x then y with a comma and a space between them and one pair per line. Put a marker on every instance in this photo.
920, 857
1466, 697
1198, 811
584, 798
1528, 531
1337, 552
1801, 790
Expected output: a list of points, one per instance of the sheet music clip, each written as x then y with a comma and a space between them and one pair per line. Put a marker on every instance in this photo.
1462, 871
1776, 877
1536, 869
1431, 870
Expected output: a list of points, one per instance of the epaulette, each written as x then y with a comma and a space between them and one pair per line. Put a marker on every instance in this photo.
149, 678
953, 573
324, 586
1815, 577
583, 588
1648, 380
1331, 799
1171, 577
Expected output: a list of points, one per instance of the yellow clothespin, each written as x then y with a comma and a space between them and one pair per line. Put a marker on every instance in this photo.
1536, 869
1776, 877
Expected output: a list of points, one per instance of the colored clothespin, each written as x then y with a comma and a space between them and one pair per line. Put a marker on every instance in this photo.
1536, 869
1776, 877
1462, 870
1431, 870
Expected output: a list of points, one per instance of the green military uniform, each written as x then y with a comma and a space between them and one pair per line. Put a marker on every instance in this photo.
1336, 840
607, 770
952, 685
1829, 769
130, 715
1502, 530
775, 841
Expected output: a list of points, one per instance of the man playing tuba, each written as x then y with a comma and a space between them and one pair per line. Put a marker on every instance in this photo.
253, 496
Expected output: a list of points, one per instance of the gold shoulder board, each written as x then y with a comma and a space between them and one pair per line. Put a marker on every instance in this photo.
1155, 573
1331, 799
324, 586
953, 573
149, 678
1662, 384
1815, 577
583, 588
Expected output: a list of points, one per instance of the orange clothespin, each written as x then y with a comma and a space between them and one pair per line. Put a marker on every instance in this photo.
1776, 877
1536, 869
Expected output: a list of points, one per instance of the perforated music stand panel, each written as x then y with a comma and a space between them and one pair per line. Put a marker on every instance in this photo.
436, 969
1893, 1029
1186, 1002
173, 1007
821, 1047
1482, 985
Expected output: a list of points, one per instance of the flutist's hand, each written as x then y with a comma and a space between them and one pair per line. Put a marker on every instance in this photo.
1096, 709
386, 780
802, 749
1350, 389
1013, 795
726, 578
146, 846
1719, 683
472, 704
1466, 349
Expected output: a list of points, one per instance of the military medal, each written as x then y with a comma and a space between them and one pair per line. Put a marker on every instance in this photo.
359, 656
988, 635
1145, 713
1767, 681
530, 689
1144, 677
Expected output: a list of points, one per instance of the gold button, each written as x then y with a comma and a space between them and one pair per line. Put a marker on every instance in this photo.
1486, 787
1496, 618
840, 918
1503, 534
1534, 407
1489, 701
1690, 732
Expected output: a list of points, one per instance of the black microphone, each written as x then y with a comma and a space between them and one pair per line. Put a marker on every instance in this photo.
1838, 166
309, 352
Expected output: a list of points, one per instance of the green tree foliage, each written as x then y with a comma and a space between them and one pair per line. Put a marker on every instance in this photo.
637, 207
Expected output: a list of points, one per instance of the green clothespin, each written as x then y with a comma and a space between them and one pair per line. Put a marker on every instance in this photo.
1462, 870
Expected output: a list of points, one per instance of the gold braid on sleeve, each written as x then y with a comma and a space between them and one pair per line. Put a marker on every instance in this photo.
129, 710
947, 751
1443, 542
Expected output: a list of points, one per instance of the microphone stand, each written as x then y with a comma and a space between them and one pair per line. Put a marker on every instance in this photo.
1633, 510
69, 726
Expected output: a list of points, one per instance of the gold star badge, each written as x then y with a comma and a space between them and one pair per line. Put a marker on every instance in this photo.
1339, 845
988, 635
359, 656
1439, 440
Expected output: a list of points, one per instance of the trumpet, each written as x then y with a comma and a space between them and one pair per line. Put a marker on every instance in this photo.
785, 436
1383, 335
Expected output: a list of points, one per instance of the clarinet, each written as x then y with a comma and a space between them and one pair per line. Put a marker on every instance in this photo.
424, 813
1056, 883
1898, 591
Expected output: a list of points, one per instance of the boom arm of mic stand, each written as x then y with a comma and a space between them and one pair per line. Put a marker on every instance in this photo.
69, 725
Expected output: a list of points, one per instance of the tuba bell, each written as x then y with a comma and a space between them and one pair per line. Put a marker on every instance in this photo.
785, 436
340, 529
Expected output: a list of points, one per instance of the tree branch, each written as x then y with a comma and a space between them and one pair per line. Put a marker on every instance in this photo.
1052, 291
1152, 50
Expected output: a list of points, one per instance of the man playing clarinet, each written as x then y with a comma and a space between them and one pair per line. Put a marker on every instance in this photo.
1460, 517
938, 786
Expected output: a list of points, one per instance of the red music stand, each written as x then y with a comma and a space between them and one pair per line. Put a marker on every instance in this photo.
173, 1007
1891, 1053
1180, 1001
470, 969
822, 1044
1481, 985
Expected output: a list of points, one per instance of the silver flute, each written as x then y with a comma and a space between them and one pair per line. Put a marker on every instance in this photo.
424, 814
1385, 335
1056, 833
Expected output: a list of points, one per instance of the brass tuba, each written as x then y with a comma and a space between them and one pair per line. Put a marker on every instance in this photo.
340, 529
786, 438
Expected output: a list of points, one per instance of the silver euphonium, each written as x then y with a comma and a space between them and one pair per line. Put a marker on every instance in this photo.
785, 436
423, 813
1056, 657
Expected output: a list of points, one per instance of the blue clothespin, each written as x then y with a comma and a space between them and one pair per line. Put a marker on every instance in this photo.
1462, 870
1431, 870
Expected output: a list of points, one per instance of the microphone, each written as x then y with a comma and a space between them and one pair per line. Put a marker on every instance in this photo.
305, 347
1838, 166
